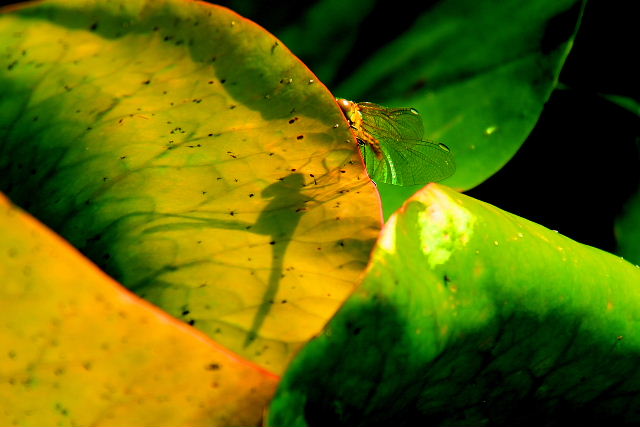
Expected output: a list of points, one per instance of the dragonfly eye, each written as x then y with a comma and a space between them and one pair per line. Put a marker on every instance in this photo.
345, 105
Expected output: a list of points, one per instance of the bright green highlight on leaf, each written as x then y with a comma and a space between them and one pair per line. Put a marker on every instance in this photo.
78, 349
189, 154
470, 315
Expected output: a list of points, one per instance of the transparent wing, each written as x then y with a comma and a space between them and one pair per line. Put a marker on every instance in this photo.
407, 159
391, 123
417, 164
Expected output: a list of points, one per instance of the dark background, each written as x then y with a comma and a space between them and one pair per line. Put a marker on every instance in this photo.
581, 163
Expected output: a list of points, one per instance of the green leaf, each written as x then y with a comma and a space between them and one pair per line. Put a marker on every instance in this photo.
478, 72
78, 349
625, 102
189, 154
470, 315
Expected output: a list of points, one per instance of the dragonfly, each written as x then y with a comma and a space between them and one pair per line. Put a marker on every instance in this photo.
391, 143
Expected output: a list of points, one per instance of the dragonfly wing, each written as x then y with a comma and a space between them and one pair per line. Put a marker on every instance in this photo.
417, 163
420, 162
391, 123
380, 170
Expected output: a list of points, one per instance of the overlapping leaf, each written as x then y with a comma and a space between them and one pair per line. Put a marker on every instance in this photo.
472, 316
78, 349
193, 157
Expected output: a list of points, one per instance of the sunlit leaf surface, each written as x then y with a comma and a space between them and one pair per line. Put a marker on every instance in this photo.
77, 349
190, 155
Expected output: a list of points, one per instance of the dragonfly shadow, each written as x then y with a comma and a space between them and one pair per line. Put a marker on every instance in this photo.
278, 220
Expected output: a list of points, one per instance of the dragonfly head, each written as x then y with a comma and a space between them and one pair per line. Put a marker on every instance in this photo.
349, 109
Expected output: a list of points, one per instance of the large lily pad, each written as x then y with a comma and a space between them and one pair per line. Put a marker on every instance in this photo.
78, 349
470, 315
190, 155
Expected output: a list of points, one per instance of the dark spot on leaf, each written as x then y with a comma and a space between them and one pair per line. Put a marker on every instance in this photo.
197, 100
299, 137
192, 322
223, 81
293, 170
61, 409
12, 65
210, 82
231, 107
213, 367
167, 38
284, 301
251, 194
273, 242
95, 238
213, 59
343, 171
94, 26
185, 312
35, 118
292, 121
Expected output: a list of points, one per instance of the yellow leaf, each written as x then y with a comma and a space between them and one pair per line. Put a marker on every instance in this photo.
190, 155
78, 349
